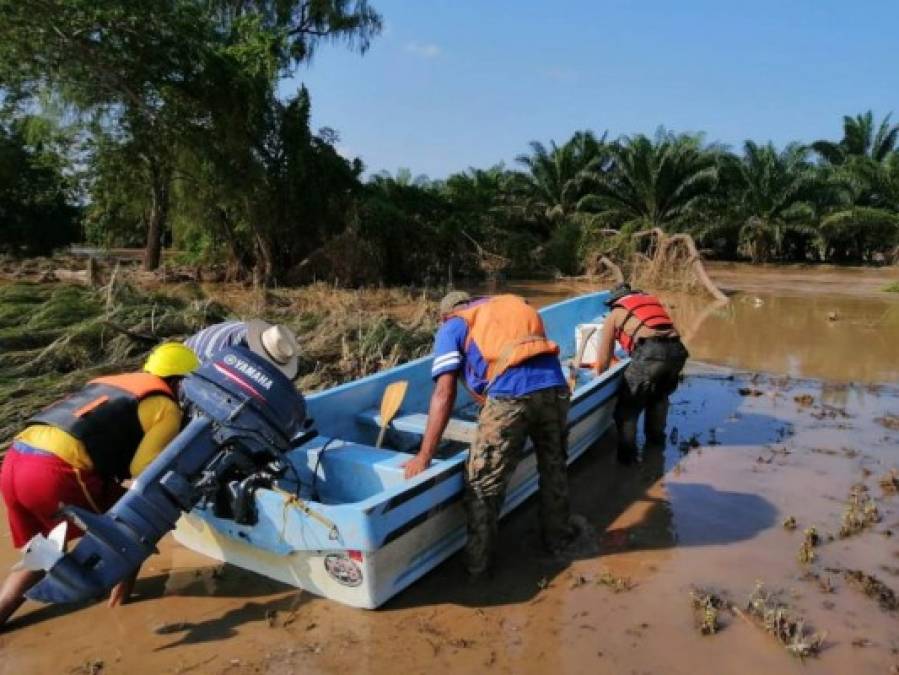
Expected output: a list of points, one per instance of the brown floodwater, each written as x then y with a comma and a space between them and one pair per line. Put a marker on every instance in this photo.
824, 322
707, 513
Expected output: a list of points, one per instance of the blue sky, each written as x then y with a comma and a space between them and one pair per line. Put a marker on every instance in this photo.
456, 83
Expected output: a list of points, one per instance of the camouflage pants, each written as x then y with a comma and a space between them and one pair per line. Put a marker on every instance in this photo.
503, 428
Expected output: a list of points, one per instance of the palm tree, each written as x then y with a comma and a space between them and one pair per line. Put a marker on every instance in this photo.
772, 194
860, 139
867, 222
550, 187
657, 182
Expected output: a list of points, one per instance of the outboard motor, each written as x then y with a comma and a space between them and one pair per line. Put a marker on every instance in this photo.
246, 414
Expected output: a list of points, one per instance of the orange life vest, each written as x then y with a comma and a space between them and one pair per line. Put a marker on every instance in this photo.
104, 417
647, 310
507, 331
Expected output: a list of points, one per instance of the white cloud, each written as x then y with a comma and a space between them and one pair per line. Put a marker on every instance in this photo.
425, 50
559, 74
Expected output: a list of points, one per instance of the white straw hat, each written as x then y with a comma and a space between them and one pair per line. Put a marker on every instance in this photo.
276, 343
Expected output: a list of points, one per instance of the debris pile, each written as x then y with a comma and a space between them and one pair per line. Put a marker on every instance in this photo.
874, 588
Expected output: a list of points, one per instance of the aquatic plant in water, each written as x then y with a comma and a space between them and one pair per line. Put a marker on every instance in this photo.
786, 625
707, 607
807, 549
861, 512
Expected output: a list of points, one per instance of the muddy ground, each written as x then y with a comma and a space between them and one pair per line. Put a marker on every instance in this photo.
748, 453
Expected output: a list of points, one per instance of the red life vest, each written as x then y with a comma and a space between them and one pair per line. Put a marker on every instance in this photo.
648, 311
507, 331
104, 417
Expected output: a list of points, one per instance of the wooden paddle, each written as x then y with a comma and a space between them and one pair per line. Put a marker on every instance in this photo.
390, 405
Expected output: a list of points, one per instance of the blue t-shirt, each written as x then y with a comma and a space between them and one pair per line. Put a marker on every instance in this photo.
450, 355
213, 339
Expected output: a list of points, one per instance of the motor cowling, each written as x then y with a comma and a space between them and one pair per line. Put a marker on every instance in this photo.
244, 415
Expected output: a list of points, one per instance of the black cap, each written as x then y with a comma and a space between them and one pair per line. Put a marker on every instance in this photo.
618, 292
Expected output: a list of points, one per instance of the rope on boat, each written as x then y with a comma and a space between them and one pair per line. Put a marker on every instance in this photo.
292, 500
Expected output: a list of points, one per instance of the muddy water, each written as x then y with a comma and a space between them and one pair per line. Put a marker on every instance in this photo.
710, 517
829, 323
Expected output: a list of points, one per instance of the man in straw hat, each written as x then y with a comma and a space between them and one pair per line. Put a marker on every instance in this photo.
498, 348
276, 343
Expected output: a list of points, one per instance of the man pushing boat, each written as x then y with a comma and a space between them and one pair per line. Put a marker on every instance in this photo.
498, 348
643, 328
78, 450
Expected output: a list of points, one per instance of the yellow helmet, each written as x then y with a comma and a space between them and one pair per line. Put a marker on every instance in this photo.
170, 359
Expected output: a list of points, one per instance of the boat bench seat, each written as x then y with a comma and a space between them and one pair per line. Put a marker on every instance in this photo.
462, 431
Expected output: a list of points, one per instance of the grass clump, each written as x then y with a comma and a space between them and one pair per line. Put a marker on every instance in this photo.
707, 607
892, 288
616, 583
860, 513
782, 622
810, 540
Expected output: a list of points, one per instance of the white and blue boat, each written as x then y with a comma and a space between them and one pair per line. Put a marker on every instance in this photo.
359, 532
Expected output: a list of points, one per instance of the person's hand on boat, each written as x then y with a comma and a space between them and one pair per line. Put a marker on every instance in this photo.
416, 465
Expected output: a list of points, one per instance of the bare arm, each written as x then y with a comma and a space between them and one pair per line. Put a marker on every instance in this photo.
442, 400
606, 344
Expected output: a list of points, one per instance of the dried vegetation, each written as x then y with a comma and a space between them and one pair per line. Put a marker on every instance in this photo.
54, 337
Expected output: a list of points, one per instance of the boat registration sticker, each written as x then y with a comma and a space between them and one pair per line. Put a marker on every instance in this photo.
343, 570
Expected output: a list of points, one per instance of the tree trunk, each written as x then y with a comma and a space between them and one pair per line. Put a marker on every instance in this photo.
158, 216
262, 272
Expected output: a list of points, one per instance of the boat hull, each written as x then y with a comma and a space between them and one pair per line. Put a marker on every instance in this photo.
385, 532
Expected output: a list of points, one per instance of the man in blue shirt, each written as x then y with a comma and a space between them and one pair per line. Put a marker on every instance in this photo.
498, 348
275, 343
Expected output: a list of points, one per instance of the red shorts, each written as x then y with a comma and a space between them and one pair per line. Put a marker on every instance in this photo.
35, 484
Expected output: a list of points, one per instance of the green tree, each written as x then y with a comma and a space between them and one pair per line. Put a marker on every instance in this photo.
866, 223
551, 186
658, 182
38, 210
772, 197
148, 69
861, 138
